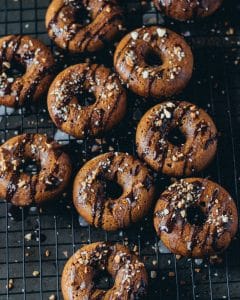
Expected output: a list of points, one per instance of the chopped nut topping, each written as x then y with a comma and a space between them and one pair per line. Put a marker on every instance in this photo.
134, 35
161, 32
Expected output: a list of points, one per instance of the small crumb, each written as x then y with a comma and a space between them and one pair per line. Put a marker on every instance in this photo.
28, 236
215, 260
65, 253
197, 270
10, 284
154, 262
47, 253
52, 297
36, 273
153, 274
135, 248
95, 148
171, 274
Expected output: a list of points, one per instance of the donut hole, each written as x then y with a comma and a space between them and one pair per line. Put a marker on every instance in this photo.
85, 98
29, 167
195, 215
176, 137
152, 58
112, 189
15, 70
81, 14
103, 280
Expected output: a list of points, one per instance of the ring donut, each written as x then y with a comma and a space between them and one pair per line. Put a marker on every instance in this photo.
154, 62
128, 272
183, 10
196, 217
193, 154
97, 207
37, 63
80, 121
63, 21
21, 188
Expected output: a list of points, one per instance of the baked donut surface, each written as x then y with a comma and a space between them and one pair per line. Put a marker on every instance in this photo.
37, 63
196, 217
183, 10
193, 154
154, 62
97, 207
94, 119
21, 188
66, 26
128, 272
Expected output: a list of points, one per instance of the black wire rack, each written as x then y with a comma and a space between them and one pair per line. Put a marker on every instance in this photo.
36, 242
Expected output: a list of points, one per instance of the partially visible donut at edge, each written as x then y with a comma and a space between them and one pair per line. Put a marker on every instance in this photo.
105, 21
184, 10
22, 189
38, 66
196, 217
126, 269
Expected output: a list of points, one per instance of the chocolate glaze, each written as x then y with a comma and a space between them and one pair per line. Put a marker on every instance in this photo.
94, 119
167, 78
129, 274
155, 148
22, 189
197, 213
38, 63
185, 10
89, 193
106, 21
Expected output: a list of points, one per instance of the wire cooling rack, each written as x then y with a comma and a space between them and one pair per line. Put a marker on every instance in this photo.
35, 243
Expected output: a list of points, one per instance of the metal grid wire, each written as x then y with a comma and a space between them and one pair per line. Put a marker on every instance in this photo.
41, 239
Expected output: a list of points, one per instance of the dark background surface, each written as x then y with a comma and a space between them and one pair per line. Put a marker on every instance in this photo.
215, 86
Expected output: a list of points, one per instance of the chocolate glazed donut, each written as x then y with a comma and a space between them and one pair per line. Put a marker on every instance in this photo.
196, 217
183, 10
80, 121
128, 272
22, 189
37, 63
154, 62
65, 24
194, 152
97, 207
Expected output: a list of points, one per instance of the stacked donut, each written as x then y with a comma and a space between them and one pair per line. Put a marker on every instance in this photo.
194, 217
